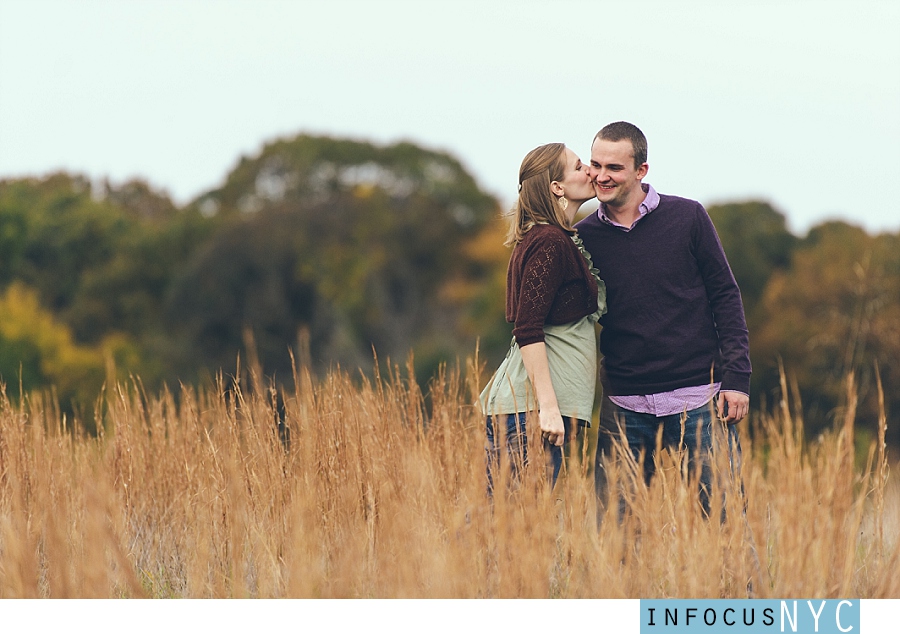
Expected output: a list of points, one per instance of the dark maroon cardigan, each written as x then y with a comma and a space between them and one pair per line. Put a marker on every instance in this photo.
548, 281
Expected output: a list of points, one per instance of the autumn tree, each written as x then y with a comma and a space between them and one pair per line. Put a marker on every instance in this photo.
836, 310
38, 352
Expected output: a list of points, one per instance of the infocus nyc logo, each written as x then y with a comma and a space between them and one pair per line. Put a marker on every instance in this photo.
750, 616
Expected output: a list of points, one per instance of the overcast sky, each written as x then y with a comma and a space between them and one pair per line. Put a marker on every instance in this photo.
791, 101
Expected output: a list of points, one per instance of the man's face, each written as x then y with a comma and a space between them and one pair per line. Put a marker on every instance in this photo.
613, 174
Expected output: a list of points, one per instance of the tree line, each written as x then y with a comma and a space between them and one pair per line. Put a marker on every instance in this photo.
328, 249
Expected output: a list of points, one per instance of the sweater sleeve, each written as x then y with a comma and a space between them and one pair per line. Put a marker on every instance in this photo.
725, 303
541, 278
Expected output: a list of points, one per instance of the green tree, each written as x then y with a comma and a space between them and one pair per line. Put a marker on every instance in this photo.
346, 240
757, 242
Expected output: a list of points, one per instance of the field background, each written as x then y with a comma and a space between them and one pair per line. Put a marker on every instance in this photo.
357, 488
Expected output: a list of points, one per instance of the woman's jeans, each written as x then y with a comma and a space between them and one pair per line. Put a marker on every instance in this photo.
516, 440
699, 435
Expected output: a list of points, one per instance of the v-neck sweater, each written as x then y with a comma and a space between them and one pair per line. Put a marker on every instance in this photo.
674, 313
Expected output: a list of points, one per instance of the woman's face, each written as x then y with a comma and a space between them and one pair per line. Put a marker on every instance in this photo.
576, 183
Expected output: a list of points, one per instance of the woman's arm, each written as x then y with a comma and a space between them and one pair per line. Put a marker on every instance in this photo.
534, 356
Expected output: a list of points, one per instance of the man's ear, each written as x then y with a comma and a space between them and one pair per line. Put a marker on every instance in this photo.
642, 170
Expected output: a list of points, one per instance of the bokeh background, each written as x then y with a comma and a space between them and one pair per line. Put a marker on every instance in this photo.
182, 183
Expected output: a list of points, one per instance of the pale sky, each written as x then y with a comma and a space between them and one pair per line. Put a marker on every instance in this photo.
790, 101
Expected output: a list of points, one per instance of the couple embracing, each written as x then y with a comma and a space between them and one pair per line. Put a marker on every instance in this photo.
651, 269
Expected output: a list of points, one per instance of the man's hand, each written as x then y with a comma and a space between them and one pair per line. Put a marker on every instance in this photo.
732, 406
552, 428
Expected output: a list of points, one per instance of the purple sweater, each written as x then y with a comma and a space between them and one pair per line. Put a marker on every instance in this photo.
674, 310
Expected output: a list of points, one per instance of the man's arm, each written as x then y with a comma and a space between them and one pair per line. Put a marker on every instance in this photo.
728, 313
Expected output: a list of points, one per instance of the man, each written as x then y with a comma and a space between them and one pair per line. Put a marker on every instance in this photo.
674, 338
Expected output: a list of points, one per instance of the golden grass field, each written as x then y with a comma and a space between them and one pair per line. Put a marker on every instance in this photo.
197, 495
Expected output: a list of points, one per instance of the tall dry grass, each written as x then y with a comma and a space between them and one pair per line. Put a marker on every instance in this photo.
373, 488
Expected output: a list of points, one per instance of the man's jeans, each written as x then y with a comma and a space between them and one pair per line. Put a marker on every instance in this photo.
516, 441
697, 435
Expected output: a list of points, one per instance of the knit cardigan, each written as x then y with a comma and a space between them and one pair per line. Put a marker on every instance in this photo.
548, 281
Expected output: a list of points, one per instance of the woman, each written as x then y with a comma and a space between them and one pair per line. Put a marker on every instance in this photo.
554, 297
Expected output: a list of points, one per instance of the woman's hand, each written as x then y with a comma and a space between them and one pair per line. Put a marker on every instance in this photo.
552, 429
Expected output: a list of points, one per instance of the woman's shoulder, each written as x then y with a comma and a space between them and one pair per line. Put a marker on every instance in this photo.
545, 238
546, 233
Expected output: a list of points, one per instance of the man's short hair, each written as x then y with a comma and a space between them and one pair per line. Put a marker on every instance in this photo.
621, 130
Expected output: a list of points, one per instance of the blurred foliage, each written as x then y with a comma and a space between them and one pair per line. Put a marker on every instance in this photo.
756, 239
100, 259
835, 310
330, 248
822, 306
348, 242
37, 351
324, 246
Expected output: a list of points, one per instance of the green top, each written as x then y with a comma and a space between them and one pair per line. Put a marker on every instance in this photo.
572, 355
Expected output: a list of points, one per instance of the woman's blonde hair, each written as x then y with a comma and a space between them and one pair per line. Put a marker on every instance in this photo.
536, 203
